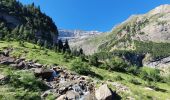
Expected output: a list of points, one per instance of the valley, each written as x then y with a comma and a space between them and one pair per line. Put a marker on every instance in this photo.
39, 61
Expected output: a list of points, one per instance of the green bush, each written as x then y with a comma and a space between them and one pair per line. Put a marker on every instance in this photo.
80, 67
117, 64
105, 65
133, 69
93, 60
150, 74
26, 80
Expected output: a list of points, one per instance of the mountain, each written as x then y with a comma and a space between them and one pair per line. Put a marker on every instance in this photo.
25, 22
76, 34
146, 34
153, 27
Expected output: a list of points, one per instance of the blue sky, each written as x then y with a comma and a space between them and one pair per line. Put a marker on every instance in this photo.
99, 15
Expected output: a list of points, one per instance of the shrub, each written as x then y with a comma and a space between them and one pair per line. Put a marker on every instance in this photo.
93, 60
66, 57
150, 74
26, 80
80, 67
117, 64
133, 69
105, 66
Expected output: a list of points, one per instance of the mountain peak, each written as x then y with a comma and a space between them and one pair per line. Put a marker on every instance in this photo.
161, 9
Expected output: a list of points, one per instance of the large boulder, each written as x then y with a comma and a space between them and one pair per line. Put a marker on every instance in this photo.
7, 60
43, 73
103, 93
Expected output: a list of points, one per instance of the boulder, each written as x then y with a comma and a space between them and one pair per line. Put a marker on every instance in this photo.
71, 95
43, 73
37, 70
19, 60
21, 65
103, 93
7, 60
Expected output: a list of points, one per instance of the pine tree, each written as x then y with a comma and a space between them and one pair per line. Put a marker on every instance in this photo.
60, 45
81, 51
66, 46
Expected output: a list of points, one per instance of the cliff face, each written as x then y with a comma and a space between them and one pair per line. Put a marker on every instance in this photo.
76, 34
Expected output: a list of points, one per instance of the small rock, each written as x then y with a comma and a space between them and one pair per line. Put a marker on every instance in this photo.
2, 77
45, 94
38, 65
6, 53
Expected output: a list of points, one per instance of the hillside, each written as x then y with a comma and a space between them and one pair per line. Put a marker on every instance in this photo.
126, 85
147, 34
150, 27
25, 22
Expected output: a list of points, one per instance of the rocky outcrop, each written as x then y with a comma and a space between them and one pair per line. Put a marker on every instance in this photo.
158, 63
163, 64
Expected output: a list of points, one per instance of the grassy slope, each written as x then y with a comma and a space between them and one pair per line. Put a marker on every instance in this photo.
19, 92
138, 91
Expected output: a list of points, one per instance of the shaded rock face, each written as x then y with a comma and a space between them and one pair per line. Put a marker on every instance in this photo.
12, 21
135, 59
